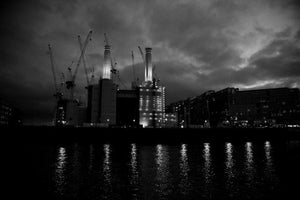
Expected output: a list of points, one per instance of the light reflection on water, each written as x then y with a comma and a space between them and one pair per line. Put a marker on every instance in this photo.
269, 166
249, 164
207, 170
107, 172
106, 164
184, 171
134, 178
229, 169
269, 161
60, 170
166, 171
229, 160
207, 163
249, 157
162, 173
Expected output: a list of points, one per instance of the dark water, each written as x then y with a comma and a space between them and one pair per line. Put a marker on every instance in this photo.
208, 170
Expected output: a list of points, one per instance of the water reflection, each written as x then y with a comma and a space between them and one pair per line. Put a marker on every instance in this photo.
268, 160
250, 170
184, 170
268, 149
207, 170
60, 170
107, 187
229, 159
134, 171
207, 163
163, 185
232, 170
229, 165
106, 164
249, 156
91, 153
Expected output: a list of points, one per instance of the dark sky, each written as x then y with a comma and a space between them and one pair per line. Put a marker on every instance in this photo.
197, 45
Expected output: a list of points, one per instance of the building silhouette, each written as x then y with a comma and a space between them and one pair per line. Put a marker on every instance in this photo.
141, 106
230, 107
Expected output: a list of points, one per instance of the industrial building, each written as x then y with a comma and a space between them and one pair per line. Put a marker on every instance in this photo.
230, 107
102, 97
151, 98
142, 105
128, 108
108, 106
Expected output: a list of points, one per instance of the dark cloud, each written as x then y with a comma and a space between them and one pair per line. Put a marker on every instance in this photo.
197, 45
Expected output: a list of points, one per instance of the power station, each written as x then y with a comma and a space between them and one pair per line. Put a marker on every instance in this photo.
108, 106
144, 104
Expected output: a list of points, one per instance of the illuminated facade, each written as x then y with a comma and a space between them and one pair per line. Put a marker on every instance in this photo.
102, 96
106, 64
152, 105
171, 120
148, 65
151, 98
144, 105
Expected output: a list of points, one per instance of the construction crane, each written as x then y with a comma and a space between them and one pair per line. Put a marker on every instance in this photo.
155, 77
113, 66
142, 54
83, 61
112, 63
57, 94
119, 79
71, 84
114, 71
133, 70
62, 81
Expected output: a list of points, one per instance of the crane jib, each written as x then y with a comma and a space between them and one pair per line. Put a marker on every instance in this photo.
81, 55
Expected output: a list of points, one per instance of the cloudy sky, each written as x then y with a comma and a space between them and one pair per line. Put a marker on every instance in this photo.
197, 45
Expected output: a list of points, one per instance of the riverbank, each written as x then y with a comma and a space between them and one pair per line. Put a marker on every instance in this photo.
84, 134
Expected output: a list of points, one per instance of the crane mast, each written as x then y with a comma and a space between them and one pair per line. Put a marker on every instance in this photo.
58, 94
71, 83
112, 63
83, 61
52, 68
133, 70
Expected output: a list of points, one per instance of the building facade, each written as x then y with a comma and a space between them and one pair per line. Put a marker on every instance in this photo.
151, 98
152, 105
231, 107
128, 108
142, 105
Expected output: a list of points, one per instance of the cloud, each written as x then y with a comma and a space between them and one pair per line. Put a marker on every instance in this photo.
197, 45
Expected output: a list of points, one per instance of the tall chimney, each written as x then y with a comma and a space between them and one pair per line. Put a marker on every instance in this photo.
148, 67
106, 63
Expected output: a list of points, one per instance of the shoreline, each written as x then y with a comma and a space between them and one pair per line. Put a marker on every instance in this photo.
43, 134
